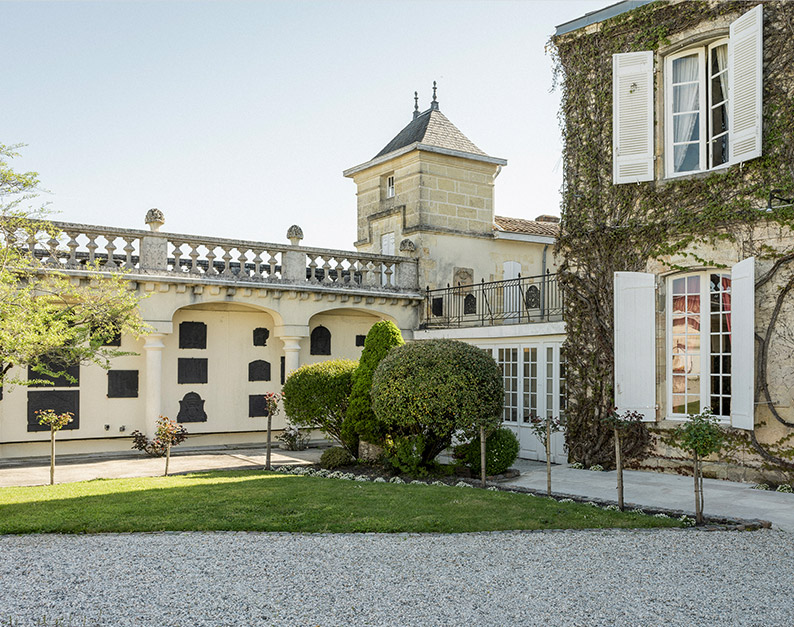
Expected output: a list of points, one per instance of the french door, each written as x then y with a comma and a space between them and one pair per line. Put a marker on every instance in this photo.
534, 382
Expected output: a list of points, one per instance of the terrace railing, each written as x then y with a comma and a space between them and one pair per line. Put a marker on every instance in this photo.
139, 252
514, 301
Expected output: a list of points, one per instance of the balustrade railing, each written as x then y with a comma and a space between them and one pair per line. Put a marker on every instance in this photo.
80, 246
514, 301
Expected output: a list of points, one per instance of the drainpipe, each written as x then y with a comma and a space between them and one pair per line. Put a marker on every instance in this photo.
543, 284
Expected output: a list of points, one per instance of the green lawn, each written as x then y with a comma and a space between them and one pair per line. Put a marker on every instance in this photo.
259, 501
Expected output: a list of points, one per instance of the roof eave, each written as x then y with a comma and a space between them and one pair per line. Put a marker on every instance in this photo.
523, 237
427, 148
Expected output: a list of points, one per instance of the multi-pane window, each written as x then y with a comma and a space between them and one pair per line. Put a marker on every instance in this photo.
390, 187
563, 385
508, 363
696, 101
549, 382
699, 346
530, 384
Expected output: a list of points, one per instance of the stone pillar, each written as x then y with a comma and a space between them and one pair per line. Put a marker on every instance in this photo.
291, 335
154, 247
292, 353
153, 381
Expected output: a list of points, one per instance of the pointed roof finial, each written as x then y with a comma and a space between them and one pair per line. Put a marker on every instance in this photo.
434, 104
416, 104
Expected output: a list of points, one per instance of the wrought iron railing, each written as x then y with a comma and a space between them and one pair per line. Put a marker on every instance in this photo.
514, 301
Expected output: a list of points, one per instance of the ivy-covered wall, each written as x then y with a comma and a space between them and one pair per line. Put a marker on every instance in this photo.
697, 221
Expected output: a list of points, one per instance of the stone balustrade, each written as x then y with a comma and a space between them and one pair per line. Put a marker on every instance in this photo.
154, 253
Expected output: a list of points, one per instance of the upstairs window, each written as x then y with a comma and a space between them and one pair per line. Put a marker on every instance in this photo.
390, 186
711, 111
696, 109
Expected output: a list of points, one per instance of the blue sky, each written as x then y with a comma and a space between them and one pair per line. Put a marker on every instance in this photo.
236, 119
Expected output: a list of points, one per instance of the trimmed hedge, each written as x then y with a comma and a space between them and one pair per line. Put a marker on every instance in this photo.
318, 395
501, 450
434, 388
362, 421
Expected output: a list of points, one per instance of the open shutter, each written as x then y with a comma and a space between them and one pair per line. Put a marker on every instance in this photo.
743, 344
745, 86
635, 346
632, 117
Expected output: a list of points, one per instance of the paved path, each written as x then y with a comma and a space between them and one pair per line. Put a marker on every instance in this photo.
652, 489
84, 468
649, 489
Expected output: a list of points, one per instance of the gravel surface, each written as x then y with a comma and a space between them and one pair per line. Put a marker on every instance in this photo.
669, 577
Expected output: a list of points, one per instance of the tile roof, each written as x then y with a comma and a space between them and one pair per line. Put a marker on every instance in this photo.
433, 129
528, 227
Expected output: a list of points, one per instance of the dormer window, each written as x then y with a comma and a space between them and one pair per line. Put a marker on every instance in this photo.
390, 186
696, 109
711, 105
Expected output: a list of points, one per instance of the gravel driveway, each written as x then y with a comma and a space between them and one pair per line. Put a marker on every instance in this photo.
670, 577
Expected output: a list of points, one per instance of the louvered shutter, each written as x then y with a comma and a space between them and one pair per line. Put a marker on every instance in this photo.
743, 344
632, 117
635, 346
745, 76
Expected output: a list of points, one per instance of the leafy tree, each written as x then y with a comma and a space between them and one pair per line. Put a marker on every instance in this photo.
55, 422
167, 435
426, 391
700, 436
543, 429
271, 403
318, 395
362, 422
48, 320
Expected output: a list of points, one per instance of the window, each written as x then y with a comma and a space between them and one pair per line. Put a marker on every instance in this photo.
320, 341
508, 363
712, 105
699, 344
390, 186
696, 109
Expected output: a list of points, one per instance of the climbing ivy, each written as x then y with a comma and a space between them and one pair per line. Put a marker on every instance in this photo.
607, 228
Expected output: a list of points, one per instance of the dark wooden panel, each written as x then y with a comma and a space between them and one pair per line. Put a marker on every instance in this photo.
261, 336
58, 382
257, 406
283, 370
122, 384
192, 335
191, 409
191, 370
360, 339
320, 341
60, 401
259, 370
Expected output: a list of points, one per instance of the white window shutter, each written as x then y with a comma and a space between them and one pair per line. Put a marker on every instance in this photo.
632, 117
743, 344
745, 85
635, 345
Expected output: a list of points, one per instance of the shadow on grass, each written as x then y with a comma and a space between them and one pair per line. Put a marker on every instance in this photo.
257, 501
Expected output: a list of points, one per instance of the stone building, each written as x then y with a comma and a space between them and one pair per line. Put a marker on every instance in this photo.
679, 141
230, 319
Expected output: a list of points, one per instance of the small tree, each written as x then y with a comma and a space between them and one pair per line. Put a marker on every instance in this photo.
425, 391
167, 434
700, 436
543, 429
271, 407
55, 422
621, 425
318, 395
362, 421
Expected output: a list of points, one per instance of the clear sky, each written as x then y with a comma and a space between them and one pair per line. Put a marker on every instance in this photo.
236, 119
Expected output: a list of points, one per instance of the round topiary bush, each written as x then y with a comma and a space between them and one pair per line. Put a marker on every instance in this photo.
335, 457
501, 450
427, 390
318, 394
362, 422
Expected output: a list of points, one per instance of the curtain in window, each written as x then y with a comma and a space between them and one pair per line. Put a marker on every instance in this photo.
686, 107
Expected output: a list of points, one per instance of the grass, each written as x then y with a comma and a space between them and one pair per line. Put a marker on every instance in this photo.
253, 500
